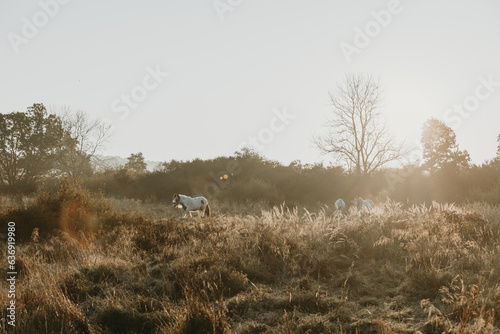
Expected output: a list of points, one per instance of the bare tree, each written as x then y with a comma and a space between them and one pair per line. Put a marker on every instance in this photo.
91, 137
356, 133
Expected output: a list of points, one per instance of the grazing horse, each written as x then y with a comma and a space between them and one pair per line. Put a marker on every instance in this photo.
363, 203
340, 205
192, 204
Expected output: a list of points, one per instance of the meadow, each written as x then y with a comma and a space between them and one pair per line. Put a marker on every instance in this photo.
91, 264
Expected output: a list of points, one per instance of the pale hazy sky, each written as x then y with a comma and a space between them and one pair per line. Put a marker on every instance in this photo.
230, 63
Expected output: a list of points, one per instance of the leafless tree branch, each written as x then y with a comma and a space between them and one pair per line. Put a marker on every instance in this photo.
356, 134
91, 137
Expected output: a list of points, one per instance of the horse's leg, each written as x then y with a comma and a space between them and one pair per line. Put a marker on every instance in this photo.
202, 208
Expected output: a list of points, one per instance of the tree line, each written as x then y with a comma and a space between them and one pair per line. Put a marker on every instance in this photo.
38, 147
257, 179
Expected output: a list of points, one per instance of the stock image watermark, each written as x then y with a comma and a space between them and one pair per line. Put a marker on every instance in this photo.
277, 123
126, 102
31, 26
410, 165
224, 7
11, 273
363, 36
266, 135
454, 116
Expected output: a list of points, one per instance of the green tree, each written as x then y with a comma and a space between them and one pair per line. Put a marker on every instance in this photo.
30, 145
440, 148
169, 166
136, 163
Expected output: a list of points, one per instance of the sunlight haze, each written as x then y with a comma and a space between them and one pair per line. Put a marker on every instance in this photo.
212, 74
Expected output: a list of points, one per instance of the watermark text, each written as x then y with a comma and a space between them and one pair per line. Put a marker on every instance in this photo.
11, 273
39, 20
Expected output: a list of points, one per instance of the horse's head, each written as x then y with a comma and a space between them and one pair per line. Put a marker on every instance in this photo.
357, 202
176, 201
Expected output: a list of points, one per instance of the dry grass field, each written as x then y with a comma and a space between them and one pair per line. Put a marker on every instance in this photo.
96, 265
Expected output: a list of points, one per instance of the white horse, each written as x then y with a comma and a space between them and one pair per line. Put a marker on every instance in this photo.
192, 204
363, 203
340, 205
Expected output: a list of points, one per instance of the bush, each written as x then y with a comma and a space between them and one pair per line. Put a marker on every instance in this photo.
66, 207
255, 190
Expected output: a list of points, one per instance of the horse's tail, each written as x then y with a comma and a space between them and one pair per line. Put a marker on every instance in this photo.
208, 212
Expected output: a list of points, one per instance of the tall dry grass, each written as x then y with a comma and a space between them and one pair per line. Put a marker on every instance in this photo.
141, 269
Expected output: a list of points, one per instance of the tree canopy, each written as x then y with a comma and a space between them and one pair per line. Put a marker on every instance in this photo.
136, 163
440, 148
36, 144
30, 145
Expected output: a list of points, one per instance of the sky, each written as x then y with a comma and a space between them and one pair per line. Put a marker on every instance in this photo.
200, 79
